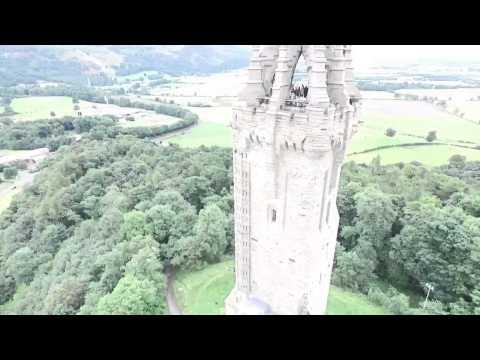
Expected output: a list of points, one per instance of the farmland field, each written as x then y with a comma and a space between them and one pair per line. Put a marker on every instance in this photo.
470, 108
412, 121
428, 155
369, 138
417, 118
206, 133
39, 107
444, 94
216, 114
148, 118
203, 293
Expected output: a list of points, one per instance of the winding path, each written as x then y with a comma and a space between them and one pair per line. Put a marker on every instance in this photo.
173, 308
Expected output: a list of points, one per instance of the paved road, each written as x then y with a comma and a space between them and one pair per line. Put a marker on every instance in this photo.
173, 307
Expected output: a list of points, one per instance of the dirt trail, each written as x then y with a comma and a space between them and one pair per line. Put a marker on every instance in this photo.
173, 307
23, 180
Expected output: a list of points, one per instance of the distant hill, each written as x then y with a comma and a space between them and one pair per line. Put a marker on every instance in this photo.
77, 64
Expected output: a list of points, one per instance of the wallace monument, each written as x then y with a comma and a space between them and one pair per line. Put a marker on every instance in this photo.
290, 138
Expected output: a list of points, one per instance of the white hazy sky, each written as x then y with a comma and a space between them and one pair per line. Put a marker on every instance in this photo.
373, 55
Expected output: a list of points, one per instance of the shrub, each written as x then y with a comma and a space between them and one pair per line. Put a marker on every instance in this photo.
393, 301
8, 111
432, 136
390, 132
10, 172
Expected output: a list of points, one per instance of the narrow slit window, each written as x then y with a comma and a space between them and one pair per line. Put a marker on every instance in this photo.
325, 179
328, 211
274, 215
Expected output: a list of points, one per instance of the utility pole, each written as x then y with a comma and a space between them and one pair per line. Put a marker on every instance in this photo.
430, 288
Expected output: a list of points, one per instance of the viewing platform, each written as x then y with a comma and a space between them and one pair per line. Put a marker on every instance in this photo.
297, 105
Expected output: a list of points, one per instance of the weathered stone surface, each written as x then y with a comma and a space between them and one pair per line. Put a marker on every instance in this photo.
287, 161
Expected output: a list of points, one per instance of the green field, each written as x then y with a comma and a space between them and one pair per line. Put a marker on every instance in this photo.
368, 138
470, 108
203, 293
343, 302
417, 118
428, 155
206, 133
136, 76
412, 120
152, 120
39, 107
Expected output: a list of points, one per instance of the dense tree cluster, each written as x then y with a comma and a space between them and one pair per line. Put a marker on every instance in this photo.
96, 237
171, 110
75, 91
406, 225
51, 133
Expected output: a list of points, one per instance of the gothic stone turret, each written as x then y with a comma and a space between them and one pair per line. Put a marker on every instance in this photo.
287, 161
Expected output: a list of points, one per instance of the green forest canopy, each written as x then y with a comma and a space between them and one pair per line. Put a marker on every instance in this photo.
121, 209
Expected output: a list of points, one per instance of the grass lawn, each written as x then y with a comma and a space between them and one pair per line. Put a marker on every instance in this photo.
344, 302
206, 133
203, 293
39, 107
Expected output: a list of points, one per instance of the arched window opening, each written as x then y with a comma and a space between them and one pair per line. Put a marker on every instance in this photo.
298, 94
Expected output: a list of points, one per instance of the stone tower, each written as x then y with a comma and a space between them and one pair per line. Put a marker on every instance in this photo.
289, 145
